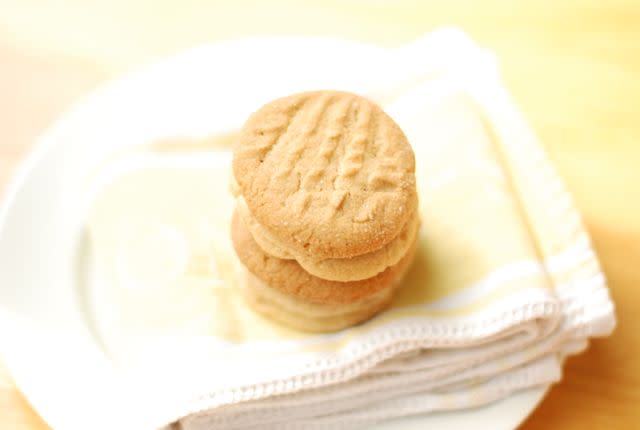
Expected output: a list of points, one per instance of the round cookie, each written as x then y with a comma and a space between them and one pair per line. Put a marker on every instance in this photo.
312, 317
327, 173
335, 269
289, 278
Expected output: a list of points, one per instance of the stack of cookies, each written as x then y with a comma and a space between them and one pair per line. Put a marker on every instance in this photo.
326, 220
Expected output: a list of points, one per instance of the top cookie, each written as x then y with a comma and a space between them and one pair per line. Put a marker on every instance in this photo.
328, 173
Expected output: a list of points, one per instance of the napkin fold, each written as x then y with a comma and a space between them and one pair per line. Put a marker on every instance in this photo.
504, 287
507, 284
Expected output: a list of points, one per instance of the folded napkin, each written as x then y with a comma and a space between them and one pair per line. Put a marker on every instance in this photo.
504, 286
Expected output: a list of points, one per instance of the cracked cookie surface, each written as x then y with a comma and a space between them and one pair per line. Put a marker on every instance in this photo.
328, 173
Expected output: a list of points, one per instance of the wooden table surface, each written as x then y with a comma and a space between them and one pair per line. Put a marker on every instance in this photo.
574, 67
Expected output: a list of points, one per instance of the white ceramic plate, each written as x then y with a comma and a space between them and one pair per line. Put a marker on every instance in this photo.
48, 344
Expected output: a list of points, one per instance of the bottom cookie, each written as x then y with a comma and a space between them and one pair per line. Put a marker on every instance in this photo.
312, 317
282, 290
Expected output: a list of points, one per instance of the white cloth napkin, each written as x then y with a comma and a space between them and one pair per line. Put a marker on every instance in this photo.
492, 204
